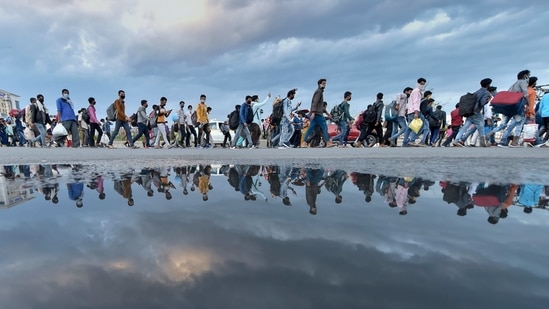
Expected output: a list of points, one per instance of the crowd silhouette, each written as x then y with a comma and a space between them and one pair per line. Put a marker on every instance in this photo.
272, 184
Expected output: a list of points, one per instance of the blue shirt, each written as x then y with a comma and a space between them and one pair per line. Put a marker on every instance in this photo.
65, 110
244, 112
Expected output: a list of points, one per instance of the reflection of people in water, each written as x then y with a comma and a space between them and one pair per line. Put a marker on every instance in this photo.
491, 198
365, 183
313, 183
386, 187
96, 183
145, 180
334, 183
183, 174
124, 188
165, 183
401, 195
458, 194
76, 192
204, 184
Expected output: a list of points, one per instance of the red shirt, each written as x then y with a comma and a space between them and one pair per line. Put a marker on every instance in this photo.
457, 120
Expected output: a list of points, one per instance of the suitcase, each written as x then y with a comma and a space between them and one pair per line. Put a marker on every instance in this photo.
508, 103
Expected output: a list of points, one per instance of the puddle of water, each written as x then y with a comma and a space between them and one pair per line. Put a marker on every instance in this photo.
242, 236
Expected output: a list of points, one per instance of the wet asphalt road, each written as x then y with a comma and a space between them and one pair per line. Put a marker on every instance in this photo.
468, 164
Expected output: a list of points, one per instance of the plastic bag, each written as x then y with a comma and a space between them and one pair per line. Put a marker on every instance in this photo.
29, 134
416, 125
449, 132
104, 139
529, 132
59, 130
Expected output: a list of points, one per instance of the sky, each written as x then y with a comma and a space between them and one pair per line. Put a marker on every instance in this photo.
232, 48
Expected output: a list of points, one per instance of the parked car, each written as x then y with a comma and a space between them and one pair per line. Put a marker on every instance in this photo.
216, 136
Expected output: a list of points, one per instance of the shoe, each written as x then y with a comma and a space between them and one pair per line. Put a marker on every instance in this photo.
110, 146
253, 147
392, 142
528, 144
542, 145
282, 147
375, 145
482, 141
135, 147
458, 144
421, 145
170, 146
502, 146
157, 147
233, 147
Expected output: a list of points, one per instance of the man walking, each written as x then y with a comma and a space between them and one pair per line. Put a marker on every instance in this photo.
121, 120
142, 123
345, 120
477, 118
244, 121
65, 114
317, 114
94, 124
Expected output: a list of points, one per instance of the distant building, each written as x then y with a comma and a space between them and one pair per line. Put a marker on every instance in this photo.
8, 101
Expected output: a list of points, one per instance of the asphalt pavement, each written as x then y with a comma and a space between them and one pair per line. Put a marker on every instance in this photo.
453, 163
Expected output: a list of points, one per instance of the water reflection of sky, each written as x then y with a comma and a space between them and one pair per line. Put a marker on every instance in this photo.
230, 253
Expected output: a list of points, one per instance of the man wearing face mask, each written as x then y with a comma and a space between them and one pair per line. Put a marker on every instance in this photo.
244, 121
414, 103
203, 122
94, 124
65, 114
121, 120
142, 121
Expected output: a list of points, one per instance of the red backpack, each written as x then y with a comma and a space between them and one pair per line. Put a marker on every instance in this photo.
359, 120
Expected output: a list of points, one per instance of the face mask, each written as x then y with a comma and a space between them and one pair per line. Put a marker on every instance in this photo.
65, 95
123, 96
202, 100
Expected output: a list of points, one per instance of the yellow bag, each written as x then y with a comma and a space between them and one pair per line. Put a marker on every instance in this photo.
416, 125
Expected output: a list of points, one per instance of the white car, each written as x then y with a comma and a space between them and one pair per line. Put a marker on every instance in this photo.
216, 136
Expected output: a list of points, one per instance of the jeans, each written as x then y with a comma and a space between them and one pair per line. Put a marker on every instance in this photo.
142, 130
241, 127
424, 130
21, 137
72, 128
399, 122
191, 130
477, 120
435, 131
93, 127
320, 121
126, 126
407, 138
285, 131
516, 122
42, 137
343, 133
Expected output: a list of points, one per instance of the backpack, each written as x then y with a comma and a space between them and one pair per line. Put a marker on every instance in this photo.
359, 120
369, 116
391, 112
133, 119
509, 103
250, 115
152, 119
337, 113
234, 119
27, 114
194, 119
467, 104
111, 113
278, 111
424, 106
86, 116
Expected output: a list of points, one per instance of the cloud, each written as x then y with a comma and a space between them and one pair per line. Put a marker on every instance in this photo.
231, 48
